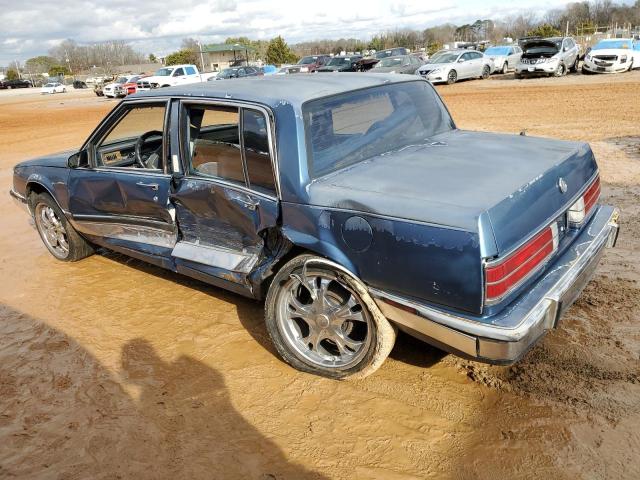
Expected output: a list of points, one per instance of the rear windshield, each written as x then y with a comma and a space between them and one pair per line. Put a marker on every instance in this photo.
351, 127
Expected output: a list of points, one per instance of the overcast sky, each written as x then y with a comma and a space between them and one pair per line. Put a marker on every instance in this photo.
31, 27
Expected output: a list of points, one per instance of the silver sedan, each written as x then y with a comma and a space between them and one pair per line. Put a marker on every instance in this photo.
453, 65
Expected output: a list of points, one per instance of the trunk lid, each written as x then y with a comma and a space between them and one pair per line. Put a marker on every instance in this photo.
459, 175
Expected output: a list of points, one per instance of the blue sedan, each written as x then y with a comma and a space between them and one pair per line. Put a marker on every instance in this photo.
351, 204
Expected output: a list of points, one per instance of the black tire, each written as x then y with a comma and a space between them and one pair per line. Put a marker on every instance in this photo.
486, 72
505, 68
517, 76
452, 77
78, 247
585, 71
574, 67
373, 353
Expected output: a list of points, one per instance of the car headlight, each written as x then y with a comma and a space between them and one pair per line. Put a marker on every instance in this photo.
435, 70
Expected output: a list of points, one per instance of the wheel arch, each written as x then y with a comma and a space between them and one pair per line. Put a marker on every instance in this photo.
35, 186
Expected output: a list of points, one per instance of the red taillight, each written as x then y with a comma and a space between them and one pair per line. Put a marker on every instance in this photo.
591, 195
503, 275
579, 210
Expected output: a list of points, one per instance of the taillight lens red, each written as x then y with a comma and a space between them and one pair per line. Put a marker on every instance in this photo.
504, 275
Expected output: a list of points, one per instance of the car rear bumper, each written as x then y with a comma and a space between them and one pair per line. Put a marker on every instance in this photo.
505, 337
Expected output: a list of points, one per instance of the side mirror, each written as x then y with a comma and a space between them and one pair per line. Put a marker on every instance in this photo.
461, 60
80, 159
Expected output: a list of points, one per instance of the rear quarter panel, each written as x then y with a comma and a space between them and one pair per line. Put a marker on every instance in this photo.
428, 263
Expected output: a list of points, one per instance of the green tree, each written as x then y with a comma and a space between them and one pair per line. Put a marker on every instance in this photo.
152, 58
182, 56
40, 64
545, 30
59, 70
278, 52
376, 43
12, 74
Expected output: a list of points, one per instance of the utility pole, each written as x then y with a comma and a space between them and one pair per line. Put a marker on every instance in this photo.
201, 55
18, 69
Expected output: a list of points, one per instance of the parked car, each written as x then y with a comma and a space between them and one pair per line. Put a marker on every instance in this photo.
310, 63
401, 64
16, 83
131, 86
548, 56
449, 66
391, 52
238, 72
613, 55
352, 205
79, 84
341, 64
117, 89
503, 57
172, 76
53, 87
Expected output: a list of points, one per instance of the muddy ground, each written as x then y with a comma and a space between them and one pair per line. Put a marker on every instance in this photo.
110, 368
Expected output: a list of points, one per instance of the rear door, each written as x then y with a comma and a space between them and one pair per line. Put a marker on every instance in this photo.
227, 201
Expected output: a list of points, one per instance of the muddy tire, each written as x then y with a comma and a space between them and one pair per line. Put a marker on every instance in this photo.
57, 234
323, 321
560, 71
505, 68
574, 68
486, 72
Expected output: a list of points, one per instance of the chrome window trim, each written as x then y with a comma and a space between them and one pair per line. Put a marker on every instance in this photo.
270, 136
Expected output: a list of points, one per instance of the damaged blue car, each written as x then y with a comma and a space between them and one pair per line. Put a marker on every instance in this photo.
350, 204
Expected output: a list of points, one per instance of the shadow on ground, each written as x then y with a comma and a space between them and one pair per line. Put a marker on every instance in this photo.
64, 415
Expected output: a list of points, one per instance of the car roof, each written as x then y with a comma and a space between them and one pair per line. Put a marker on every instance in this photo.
273, 90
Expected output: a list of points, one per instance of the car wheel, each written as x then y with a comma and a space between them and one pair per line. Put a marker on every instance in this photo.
630, 66
505, 68
452, 77
517, 76
559, 71
585, 71
486, 72
57, 234
574, 67
323, 321
64, 90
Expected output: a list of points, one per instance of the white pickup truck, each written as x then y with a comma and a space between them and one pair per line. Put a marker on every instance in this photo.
171, 76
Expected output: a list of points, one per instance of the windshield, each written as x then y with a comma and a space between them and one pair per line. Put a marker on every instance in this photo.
307, 60
164, 72
227, 72
121, 80
444, 58
351, 127
50, 84
390, 62
337, 61
497, 51
622, 44
384, 54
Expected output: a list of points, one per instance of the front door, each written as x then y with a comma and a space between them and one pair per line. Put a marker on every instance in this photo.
121, 198
227, 201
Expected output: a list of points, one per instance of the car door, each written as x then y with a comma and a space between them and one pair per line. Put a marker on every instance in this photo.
227, 202
179, 76
465, 68
121, 202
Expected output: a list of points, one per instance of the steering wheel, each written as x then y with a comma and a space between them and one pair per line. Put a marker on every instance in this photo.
142, 139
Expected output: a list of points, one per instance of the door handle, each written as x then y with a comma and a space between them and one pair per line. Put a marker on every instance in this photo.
251, 204
152, 186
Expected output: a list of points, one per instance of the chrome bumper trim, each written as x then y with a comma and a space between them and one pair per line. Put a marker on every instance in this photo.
19, 200
505, 337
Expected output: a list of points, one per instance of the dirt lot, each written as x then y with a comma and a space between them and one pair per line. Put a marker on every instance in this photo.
113, 369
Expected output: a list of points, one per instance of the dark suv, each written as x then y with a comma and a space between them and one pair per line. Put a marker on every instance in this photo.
311, 63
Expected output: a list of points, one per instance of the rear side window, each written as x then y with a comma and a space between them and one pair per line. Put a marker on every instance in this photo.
214, 143
256, 150
190, 70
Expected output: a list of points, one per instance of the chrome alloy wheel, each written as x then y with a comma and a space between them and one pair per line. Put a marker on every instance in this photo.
323, 320
52, 231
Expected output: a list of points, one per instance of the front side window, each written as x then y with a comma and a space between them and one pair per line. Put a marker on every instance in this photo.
140, 124
179, 72
348, 128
